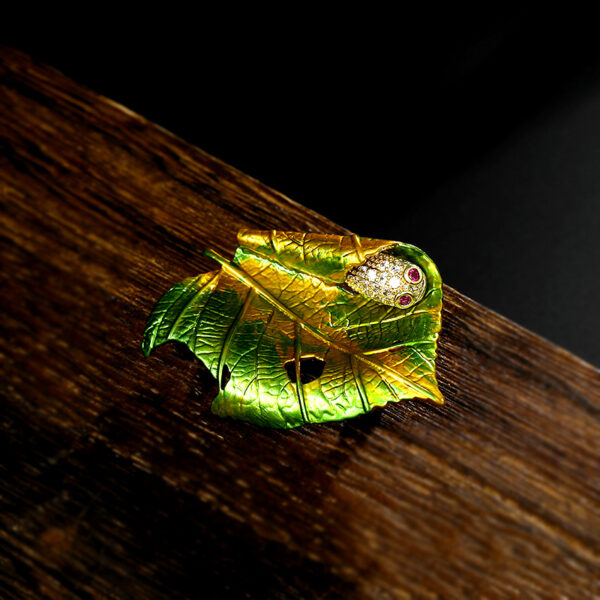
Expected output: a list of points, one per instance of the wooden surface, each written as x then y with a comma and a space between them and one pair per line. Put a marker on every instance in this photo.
118, 482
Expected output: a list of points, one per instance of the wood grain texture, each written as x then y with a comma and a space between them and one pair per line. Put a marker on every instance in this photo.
118, 482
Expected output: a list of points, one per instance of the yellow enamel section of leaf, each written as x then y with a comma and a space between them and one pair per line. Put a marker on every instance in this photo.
328, 257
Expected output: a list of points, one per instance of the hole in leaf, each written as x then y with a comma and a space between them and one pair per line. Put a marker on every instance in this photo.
225, 376
183, 352
311, 368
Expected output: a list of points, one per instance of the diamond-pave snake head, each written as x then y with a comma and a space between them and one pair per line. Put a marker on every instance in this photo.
388, 279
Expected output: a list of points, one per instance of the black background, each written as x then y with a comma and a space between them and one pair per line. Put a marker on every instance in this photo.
473, 135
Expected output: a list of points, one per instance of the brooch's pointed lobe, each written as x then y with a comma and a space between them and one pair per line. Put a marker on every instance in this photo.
306, 328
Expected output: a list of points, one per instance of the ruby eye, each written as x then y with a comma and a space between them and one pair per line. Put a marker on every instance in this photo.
404, 300
413, 275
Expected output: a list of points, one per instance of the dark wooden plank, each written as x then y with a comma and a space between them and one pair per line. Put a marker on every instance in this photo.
118, 482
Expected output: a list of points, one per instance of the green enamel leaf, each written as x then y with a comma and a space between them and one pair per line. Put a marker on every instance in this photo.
292, 338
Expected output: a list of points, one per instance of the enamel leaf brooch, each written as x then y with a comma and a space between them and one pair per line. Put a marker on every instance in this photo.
306, 328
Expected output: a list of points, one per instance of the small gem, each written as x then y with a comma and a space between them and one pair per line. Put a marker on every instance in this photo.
414, 275
394, 282
404, 300
372, 274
